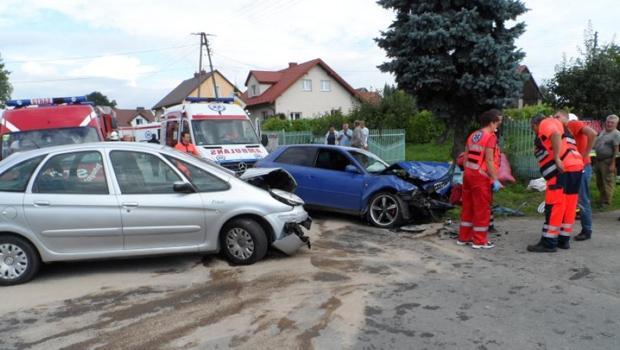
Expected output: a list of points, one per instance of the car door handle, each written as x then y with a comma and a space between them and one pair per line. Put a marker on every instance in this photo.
41, 203
130, 205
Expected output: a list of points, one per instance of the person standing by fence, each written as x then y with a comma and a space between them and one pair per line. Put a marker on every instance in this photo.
344, 136
584, 138
357, 139
562, 166
606, 148
479, 179
330, 137
365, 134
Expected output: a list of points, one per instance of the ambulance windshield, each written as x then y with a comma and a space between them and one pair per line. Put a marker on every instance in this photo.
33, 139
223, 132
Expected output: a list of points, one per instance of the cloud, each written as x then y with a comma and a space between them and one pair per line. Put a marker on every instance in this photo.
113, 67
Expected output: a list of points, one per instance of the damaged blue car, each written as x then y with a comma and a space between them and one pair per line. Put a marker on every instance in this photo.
354, 181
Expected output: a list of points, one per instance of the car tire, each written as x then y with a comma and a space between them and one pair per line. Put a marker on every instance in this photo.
244, 241
385, 210
19, 261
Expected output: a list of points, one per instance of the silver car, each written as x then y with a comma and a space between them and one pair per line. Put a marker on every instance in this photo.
117, 199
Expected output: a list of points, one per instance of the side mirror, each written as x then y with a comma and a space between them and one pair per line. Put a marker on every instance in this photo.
264, 140
351, 169
183, 187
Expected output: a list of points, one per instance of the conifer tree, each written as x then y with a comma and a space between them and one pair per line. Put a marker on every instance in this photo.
457, 57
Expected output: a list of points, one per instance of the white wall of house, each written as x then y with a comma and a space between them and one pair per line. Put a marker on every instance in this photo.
260, 88
261, 112
315, 103
138, 120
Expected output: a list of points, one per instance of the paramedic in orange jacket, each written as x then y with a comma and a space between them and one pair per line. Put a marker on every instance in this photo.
479, 179
186, 144
561, 165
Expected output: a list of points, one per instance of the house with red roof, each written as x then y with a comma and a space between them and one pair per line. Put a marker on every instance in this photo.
305, 90
530, 95
133, 117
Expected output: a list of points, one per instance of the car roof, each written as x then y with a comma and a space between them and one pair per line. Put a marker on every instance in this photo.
20, 156
320, 145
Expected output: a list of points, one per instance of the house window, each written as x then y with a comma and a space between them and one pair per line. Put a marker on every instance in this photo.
139, 121
295, 115
254, 90
326, 85
265, 115
306, 84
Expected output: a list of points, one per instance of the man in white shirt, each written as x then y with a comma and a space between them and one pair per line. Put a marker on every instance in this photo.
365, 133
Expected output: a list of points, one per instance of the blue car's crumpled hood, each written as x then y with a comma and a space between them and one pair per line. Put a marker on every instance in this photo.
423, 171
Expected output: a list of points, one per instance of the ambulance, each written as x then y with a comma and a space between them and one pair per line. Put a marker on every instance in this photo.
43, 122
220, 130
140, 133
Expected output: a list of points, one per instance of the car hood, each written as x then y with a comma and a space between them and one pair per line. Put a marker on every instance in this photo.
269, 178
422, 171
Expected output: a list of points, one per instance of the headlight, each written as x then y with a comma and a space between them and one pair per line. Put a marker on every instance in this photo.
286, 197
415, 192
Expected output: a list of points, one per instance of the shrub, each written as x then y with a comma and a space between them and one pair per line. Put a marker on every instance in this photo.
276, 124
423, 127
527, 112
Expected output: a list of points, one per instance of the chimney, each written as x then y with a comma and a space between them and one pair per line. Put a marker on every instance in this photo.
292, 64
140, 108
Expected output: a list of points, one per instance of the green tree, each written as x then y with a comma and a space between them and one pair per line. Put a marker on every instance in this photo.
5, 86
457, 57
100, 99
392, 112
590, 84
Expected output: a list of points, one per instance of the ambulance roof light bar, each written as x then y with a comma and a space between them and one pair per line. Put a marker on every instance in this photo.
210, 99
47, 101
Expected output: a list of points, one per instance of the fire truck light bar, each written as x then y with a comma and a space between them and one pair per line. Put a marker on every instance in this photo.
46, 101
210, 99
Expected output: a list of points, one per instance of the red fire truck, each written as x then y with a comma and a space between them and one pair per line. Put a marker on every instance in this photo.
45, 122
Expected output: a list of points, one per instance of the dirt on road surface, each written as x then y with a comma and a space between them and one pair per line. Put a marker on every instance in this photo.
359, 287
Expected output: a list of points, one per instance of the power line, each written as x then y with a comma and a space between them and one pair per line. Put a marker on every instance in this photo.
100, 55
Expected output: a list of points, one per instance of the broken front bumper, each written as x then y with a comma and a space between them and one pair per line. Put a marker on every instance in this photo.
290, 235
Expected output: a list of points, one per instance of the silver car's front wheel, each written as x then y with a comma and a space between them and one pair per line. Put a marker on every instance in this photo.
244, 241
384, 210
18, 260
240, 243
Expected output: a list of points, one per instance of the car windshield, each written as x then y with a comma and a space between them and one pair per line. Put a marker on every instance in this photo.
223, 132
369, 161
33, 139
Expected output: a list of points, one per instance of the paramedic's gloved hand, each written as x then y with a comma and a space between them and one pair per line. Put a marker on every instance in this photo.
497, 186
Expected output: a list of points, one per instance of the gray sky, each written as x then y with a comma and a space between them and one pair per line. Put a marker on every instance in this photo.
136, 51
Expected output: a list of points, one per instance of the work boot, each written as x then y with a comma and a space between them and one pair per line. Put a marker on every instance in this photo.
492, 229
564, 242
583, 235
545, 245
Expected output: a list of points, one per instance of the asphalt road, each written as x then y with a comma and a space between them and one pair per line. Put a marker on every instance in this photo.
359, 288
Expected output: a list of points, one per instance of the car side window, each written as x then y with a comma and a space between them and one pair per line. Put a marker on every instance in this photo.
303, 156
201, 179
332, 160
142, 173
16, 178
72, 173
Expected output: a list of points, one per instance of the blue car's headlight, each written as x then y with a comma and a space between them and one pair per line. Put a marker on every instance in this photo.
286, 197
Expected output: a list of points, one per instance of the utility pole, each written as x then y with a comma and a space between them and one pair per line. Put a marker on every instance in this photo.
205, 42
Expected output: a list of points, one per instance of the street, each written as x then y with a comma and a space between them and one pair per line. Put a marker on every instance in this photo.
359, 287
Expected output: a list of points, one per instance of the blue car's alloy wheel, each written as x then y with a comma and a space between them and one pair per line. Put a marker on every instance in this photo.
384, 210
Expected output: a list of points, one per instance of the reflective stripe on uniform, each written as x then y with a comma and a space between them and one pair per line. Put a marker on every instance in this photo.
550, 235
466, 224
481, 228
549, 170
471, 165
